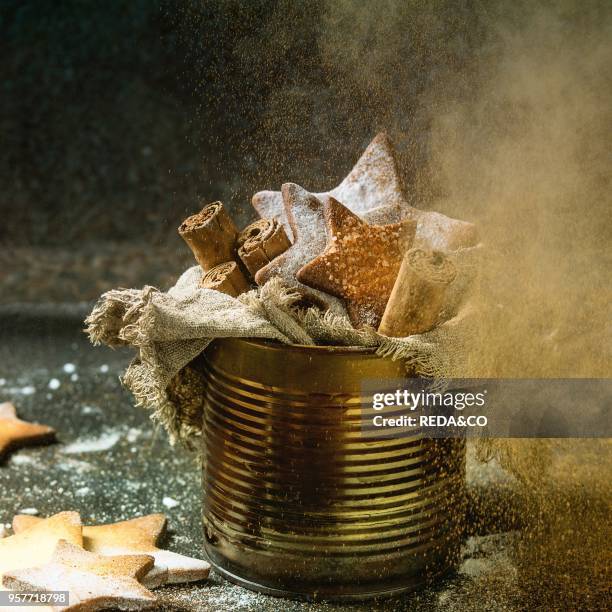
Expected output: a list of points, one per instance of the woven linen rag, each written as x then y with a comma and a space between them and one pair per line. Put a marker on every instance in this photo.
169, 330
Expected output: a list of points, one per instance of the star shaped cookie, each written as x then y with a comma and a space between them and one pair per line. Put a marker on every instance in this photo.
307, 221
136, 536
372, 183
360, 262
373, 190
36, 545
15, 433
437, 232
94, 582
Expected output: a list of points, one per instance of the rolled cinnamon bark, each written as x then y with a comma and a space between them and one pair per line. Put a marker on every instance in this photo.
211, 236
227, 278
260, 242
418, 295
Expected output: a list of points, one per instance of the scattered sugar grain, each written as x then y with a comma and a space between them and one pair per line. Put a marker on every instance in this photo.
91, 410
228, 597
27, 390
93, 445
54, 384
133, 434
104, 368
74, 466
170, 503
69, 368
74, 377
30, 511
22, 460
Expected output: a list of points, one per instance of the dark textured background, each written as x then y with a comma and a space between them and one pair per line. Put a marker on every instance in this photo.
119, 116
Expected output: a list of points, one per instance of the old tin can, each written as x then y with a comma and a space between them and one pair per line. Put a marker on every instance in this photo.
297, 501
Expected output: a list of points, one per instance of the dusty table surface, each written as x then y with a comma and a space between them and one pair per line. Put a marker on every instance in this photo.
110, 464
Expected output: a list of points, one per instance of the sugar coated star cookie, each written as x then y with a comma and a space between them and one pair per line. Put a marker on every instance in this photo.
374, 182
36, 545
136, 536
360, 262
307, 221
94, 582
374, 191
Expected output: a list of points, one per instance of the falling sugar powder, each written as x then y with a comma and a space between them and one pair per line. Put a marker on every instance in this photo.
54, 384
74, 377
170, 503
93, 445
2, 382
82, 492
27, 390
69, 368
104, 368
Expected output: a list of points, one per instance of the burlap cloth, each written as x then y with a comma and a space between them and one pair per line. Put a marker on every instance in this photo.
170, 329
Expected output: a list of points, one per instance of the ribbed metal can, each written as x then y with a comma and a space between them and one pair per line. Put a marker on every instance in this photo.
298, 502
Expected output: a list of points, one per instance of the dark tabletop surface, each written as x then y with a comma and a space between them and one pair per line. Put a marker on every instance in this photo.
111, 464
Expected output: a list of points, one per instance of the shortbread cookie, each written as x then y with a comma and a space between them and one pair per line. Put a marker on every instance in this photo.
360, 262
93, 582
373, 182
15, 433
139, 535
437, 232
307, 220
373, 190
36, 545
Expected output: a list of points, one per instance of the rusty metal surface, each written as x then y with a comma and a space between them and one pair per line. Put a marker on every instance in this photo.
297, 501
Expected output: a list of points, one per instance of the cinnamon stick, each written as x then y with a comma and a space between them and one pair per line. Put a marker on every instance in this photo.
260, 242
418, 295
211, 236
227, 278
